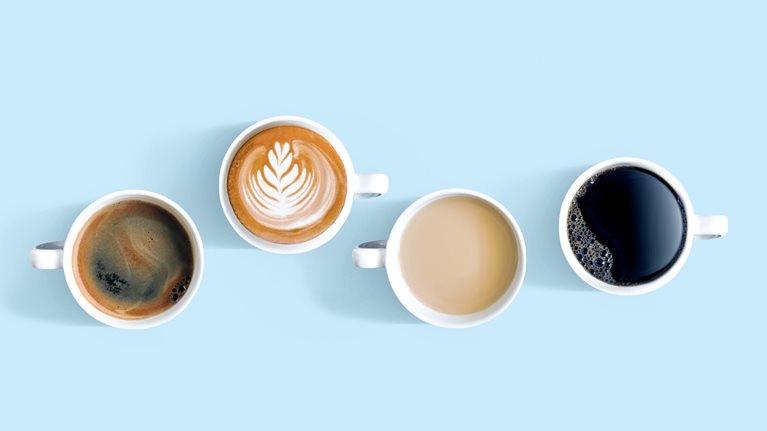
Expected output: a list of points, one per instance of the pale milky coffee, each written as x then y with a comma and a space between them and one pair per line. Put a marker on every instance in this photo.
459, 255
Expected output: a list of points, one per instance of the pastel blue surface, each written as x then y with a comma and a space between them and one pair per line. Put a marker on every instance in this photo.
511, 100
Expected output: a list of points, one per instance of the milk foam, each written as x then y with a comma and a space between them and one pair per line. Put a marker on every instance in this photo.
292, 188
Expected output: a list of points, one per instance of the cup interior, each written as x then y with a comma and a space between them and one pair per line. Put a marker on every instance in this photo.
409, 299
597, 169
145, 196
254, 239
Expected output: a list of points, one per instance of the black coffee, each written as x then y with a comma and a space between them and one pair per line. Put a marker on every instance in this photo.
626, 226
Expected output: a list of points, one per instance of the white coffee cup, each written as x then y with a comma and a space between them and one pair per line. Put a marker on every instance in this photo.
698, 227
385, 254
58, 255
359, 185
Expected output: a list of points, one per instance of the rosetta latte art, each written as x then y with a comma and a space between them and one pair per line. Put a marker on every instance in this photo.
277, 189
287, 184
291, 189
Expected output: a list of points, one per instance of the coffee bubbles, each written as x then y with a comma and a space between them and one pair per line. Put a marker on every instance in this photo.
592, 254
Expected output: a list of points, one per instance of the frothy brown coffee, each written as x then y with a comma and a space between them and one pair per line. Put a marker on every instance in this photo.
287, 184
133, 260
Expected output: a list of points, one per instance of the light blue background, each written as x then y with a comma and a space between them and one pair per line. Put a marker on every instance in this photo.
511, 100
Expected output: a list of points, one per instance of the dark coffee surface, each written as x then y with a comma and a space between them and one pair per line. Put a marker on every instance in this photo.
133, 259
627, 226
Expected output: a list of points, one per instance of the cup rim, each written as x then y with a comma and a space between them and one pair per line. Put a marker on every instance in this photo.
147, 196
418, 308
676, 186
255, 240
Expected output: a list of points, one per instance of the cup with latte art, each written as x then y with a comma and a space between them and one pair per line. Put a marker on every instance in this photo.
287, 184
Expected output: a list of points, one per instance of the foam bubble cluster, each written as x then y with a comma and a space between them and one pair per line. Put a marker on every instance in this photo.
594, 256
180, 288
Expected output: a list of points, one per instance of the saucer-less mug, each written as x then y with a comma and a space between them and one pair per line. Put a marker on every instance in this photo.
359, 186
385, 254
59, 254
697, 226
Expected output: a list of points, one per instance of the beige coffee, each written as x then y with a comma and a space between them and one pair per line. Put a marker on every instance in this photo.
459, 255
287, 184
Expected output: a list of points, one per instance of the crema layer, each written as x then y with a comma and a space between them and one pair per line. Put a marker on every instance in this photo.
133, 260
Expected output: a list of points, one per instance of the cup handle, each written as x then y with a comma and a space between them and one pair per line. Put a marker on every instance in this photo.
710, 227
371, 185
48, 256
371, 254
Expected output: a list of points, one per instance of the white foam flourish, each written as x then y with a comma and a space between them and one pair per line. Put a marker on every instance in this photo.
289, 192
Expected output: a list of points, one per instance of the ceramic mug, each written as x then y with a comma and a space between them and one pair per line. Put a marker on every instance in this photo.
385, 254
359, 186
698, 226
58, 255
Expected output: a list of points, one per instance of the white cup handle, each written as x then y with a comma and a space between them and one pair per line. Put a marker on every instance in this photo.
710, 227
371, 254
48, 256
371, 185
